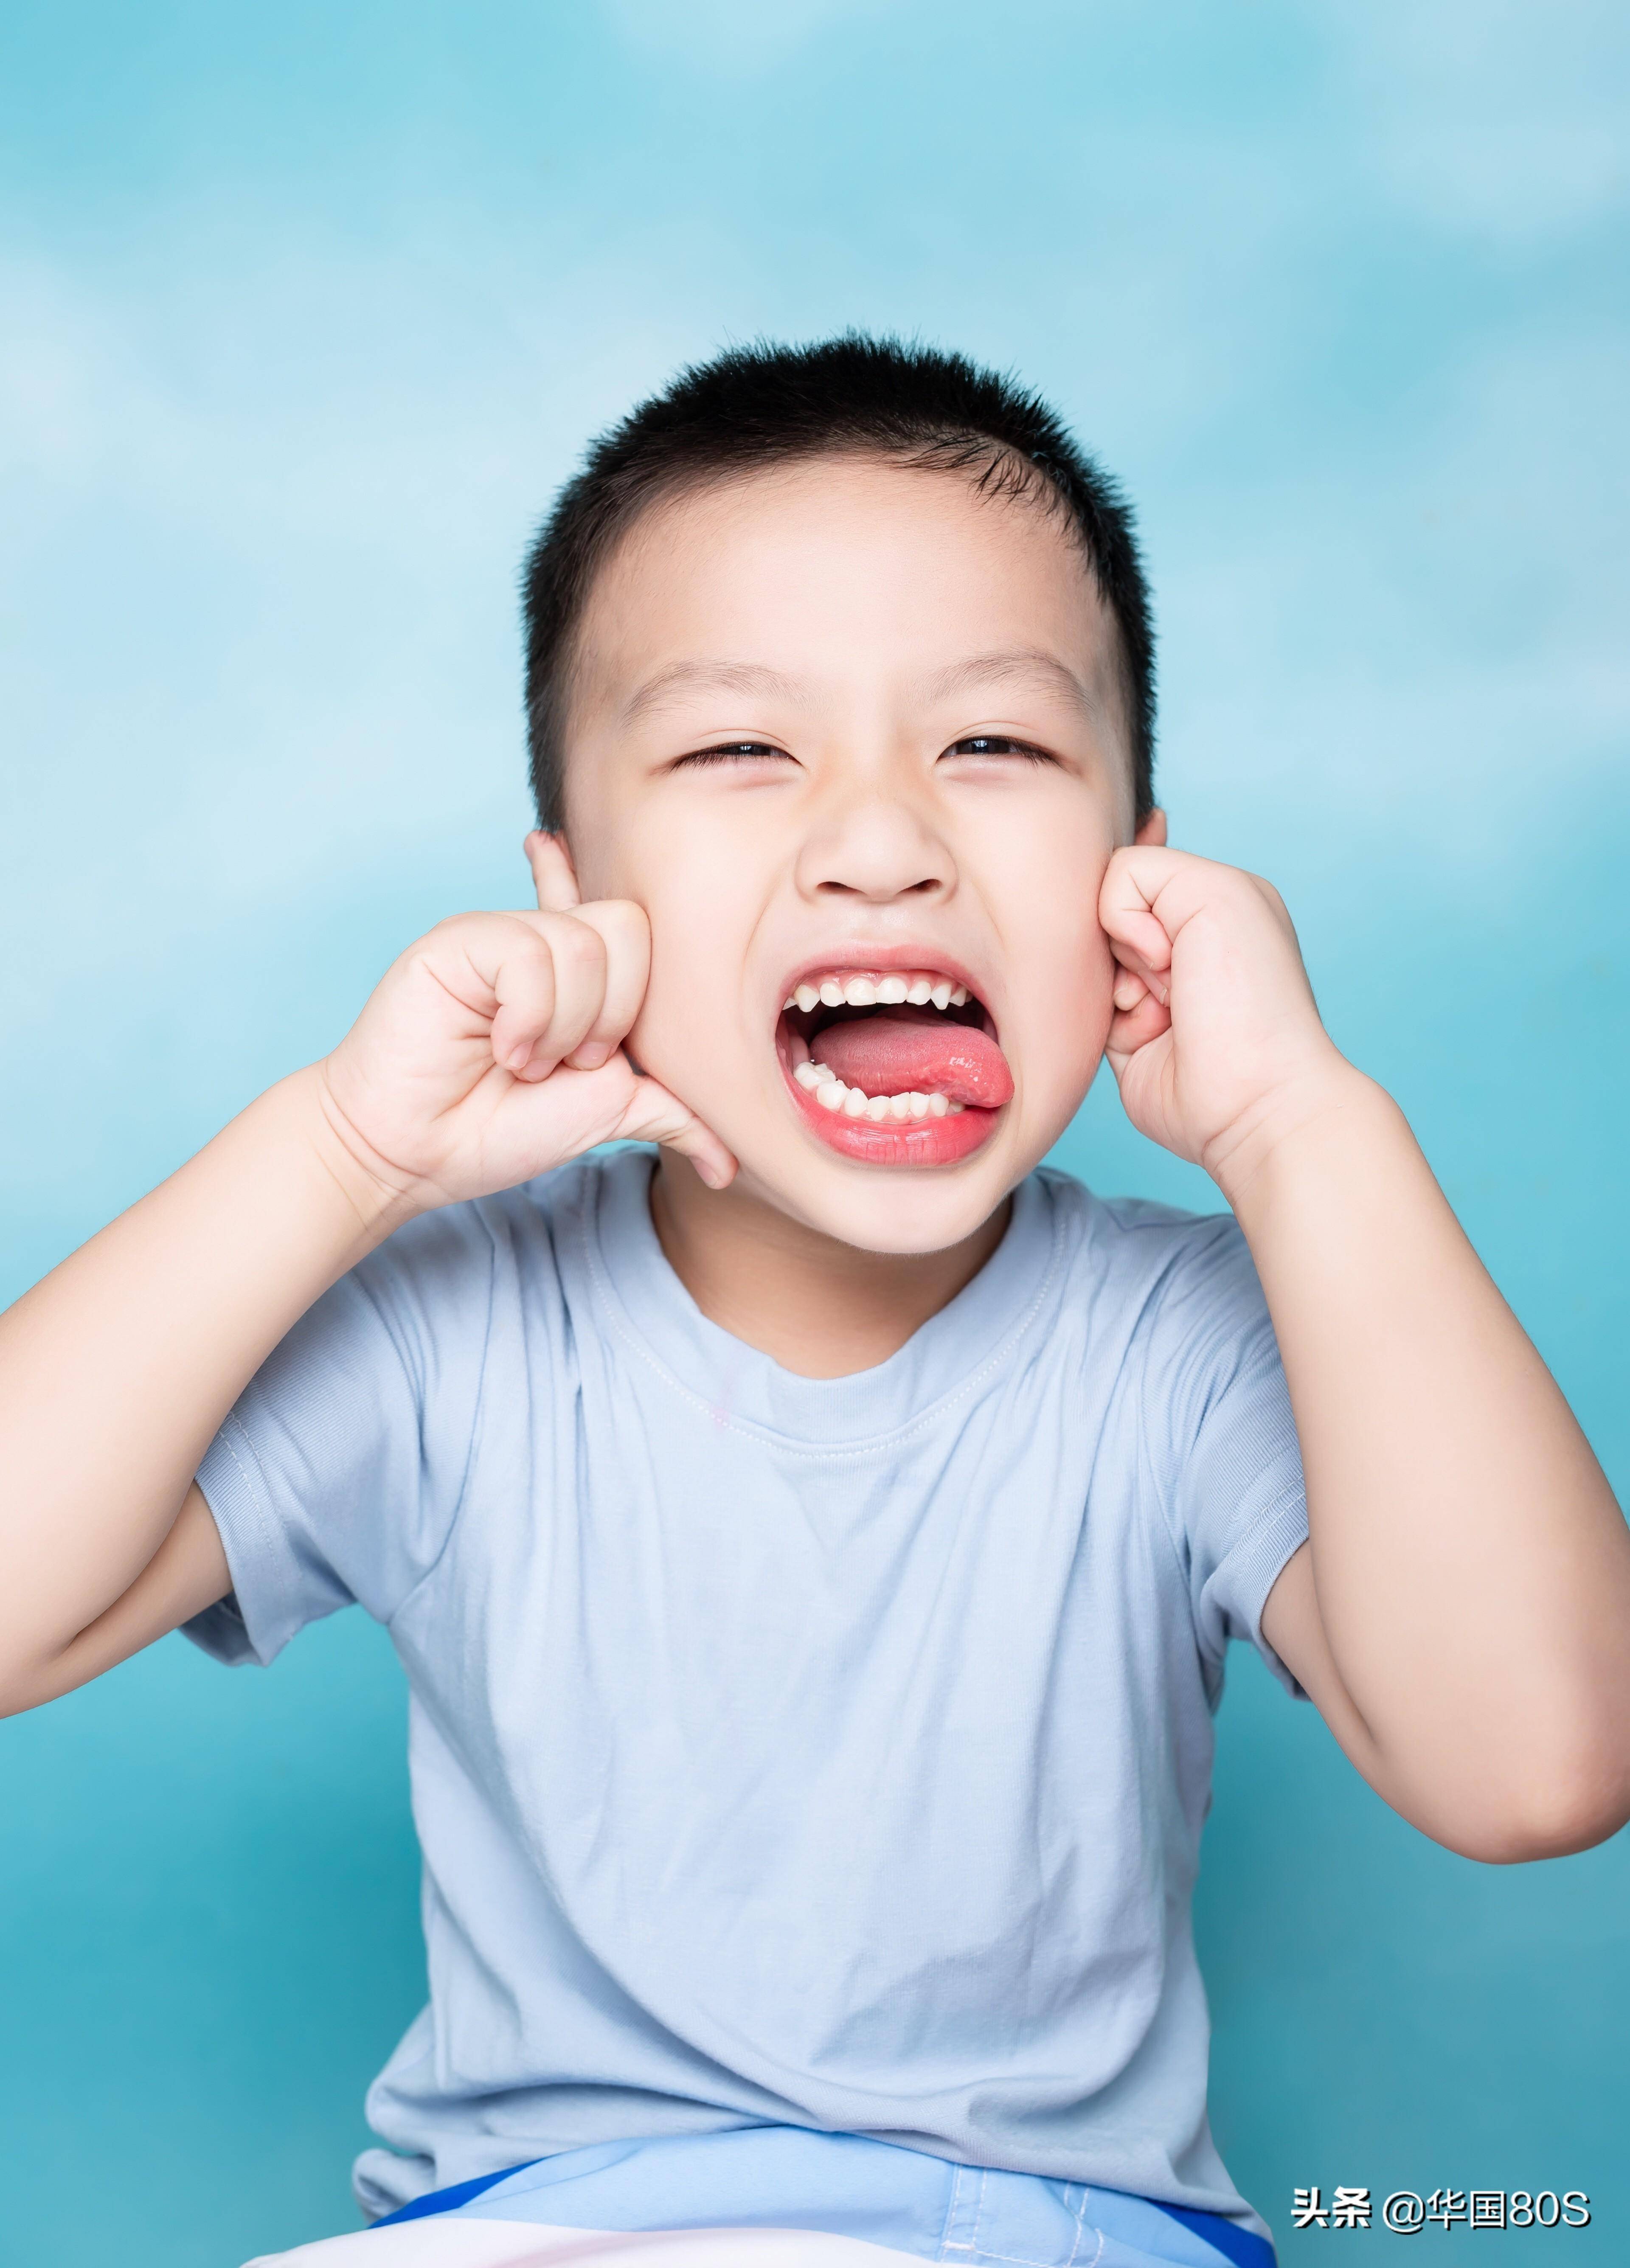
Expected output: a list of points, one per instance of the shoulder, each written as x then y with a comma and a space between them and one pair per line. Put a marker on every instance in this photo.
1154, 1251
445, 1261
1177, 1290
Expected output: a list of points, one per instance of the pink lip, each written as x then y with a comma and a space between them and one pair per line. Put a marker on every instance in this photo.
918, 1142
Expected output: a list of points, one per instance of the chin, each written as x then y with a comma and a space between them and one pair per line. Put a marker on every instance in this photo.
906, 1209
888, 1111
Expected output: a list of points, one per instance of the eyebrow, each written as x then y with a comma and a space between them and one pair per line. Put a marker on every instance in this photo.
1006, 665
1010, 665
682, 677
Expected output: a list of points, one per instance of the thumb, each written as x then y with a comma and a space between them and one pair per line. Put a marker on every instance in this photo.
653, 1115
1135, 916
553, 875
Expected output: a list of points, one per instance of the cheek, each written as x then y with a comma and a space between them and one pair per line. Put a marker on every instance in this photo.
678, 1021
1064, 977
610, 850
690, 1030
1085, 983
1096, 1004
620, 854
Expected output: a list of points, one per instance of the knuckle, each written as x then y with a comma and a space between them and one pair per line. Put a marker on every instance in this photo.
623, 925
581, 946
533, 968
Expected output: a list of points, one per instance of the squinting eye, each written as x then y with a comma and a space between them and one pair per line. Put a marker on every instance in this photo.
994, 744
734, 752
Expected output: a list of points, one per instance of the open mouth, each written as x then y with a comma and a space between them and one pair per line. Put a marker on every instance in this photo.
897, 1066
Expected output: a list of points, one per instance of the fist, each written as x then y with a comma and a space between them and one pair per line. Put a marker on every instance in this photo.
492, 1050
1216, 1043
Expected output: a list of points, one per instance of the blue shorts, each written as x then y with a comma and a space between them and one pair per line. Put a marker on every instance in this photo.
781, 2197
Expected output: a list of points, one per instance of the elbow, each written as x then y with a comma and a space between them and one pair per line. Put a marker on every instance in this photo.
29, 1683
21, 1690
1564, 1807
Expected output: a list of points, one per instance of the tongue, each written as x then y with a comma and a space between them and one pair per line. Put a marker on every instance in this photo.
916, 1051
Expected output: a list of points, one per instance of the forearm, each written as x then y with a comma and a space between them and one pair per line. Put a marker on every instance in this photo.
1470, 1568
116, 1371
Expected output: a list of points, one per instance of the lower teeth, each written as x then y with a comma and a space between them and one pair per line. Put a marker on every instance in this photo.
831, 1093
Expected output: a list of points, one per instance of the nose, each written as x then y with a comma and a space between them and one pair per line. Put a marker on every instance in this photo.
878, 848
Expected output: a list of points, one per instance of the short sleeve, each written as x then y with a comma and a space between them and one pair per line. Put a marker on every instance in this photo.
1219, 1423
336, 1478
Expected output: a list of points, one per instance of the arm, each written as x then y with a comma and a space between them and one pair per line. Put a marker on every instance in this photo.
490, 1052
116, 1371
1460, 1611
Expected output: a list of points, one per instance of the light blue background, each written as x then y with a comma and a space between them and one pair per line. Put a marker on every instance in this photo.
305, 311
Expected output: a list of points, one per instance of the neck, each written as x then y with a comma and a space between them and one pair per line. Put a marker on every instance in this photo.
819, 1308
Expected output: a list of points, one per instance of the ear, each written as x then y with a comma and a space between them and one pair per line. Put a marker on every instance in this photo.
554, 876
1150, 835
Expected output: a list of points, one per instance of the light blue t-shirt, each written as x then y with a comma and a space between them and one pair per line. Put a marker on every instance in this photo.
821, 1752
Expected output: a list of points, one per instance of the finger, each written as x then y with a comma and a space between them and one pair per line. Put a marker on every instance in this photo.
553, 875
577, 953
626, 934
1126, 910
1133, 968
520, 973
1172, 886
1144, 1066
1148, 893
1128, 989
656, 1116
1135, 1028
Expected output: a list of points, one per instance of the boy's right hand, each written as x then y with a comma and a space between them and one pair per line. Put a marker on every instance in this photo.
492, 1051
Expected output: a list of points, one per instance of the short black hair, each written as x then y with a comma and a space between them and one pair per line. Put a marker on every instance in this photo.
752, 408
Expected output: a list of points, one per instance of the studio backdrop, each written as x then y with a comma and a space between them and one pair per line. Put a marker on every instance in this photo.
304, 312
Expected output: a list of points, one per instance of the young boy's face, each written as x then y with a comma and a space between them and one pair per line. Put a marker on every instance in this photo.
853, 733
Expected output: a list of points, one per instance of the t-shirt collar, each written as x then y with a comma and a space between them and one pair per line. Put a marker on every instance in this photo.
942, 1363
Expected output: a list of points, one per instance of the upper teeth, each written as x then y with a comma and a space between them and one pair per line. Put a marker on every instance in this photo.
866, 988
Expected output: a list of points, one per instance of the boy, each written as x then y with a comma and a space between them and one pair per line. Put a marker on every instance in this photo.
813, 1563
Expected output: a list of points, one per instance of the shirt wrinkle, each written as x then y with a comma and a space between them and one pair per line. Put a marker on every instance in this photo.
852, 1784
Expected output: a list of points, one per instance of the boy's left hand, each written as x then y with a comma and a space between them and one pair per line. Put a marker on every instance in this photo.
1460, 1610
1216, 1043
